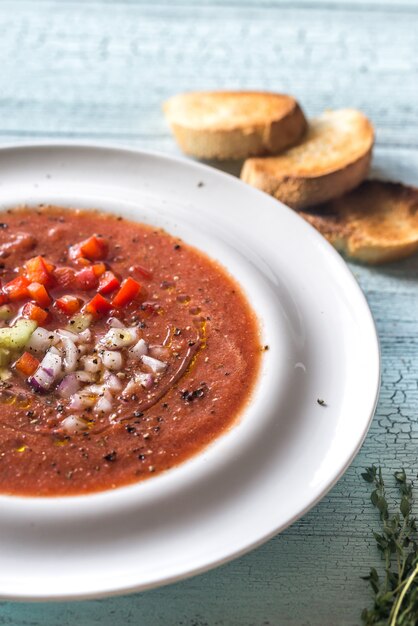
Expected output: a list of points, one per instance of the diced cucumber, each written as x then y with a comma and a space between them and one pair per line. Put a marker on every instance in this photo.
5, 357
15, 337
80, 322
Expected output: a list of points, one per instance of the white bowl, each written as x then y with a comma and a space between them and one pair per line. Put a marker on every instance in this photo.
286, 450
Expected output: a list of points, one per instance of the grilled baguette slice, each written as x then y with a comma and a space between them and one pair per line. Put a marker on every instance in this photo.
332, 158
234, 125
375, 223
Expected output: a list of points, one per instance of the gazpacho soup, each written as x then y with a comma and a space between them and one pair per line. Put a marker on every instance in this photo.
123, 351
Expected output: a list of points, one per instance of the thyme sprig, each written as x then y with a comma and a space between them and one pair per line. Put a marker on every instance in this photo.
396, 590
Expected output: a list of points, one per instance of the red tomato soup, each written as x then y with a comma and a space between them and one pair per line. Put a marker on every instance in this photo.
123, 351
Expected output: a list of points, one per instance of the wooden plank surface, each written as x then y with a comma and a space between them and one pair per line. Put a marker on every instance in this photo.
99, 70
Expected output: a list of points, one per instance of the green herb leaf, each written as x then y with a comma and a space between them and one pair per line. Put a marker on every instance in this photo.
396, 589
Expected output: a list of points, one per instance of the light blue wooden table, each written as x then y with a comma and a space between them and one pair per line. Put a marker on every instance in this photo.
98, 70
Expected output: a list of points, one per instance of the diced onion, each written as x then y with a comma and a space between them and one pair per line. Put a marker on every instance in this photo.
115, 323
68, 386
92, 363
70, 355
67, 333
95, 390
79, 401
139, 349
73, 424
116, 338
112, 360
85, 335
104, 403
85, 377
145, 380
159, 352
48, 371
41, 339
154, 364
142, 379
112, 382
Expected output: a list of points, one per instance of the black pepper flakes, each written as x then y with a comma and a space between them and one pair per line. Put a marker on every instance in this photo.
111, 456
189, 396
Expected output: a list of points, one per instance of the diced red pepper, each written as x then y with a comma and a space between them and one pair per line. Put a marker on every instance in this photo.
38, 270
86, 279
128, 291
27, 364
3, 298
17, 289
139, 270
98, 306
108, 283
68, 304
94, 248
39, 293
99, 269
75, 255
34, 312
64, 277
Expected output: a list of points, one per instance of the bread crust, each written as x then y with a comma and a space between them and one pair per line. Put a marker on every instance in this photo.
234, 125
300, 179
376, 223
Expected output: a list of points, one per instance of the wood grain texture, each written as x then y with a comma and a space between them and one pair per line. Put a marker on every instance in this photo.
99, 70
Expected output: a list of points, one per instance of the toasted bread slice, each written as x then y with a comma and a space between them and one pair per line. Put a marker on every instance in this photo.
375, 223
331, 159
234, 125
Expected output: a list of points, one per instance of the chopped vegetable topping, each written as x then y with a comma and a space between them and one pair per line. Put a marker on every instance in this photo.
98, 306
27, 364
64, 277
69, 304
38, 270
108, 283
33, 312
17, 289
95, 248
129, 290
38, 292
86, 279
83, 367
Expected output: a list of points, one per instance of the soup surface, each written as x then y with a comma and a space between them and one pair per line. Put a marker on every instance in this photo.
123, 351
